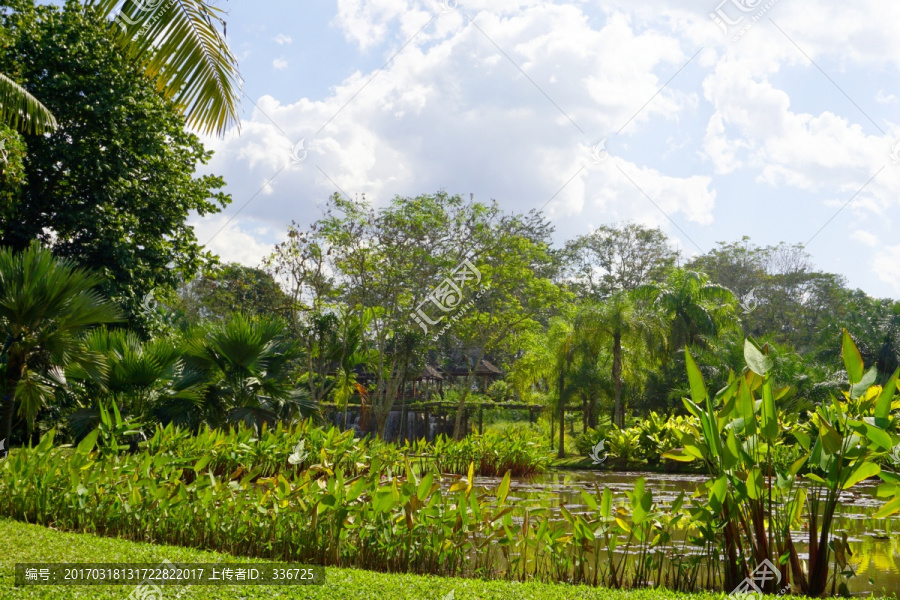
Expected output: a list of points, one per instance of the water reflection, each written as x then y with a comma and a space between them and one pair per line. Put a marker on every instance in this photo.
874, 543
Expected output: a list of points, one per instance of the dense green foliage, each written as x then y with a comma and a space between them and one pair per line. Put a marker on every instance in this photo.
337, 502
112, 186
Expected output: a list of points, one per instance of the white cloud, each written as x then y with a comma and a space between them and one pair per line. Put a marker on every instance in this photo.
882, 98
237, 242
866, 238
282, 39
887, 267
509, 110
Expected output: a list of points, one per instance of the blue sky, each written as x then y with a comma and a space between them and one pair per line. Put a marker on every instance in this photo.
709, 136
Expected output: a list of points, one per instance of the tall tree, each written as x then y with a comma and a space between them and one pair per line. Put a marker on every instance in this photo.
227, 289
697, 310
514, 265
113, 185
387, 261
622, 328
617, 257
305, 265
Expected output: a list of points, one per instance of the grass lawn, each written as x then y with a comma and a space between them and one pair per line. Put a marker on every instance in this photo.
32, 543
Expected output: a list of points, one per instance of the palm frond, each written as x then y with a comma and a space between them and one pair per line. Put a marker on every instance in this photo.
179, 45
22, 111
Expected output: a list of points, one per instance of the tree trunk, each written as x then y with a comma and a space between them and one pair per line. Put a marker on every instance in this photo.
14, 369
592, 414
460, 409
619, 414
561, 452
552, 429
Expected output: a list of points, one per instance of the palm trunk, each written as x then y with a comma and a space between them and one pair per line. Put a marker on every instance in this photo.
619, 414
14, 369
561, 452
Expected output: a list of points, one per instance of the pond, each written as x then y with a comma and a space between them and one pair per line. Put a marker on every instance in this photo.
874, 543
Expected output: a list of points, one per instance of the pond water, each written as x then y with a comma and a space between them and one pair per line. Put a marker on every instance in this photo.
875, 543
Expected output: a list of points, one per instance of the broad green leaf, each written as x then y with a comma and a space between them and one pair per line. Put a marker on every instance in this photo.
891, 508
503, 490
877, 436
589, 500
852, 359
745, 407
755, 486
202, 462
867, 380
859, 472
883, 404
797, 465
680, 455
831, 439
642, 501
889, 477
695, 377
87, 444
731, 453
606, 503
768, 417
758, 362
425, 487
717, 493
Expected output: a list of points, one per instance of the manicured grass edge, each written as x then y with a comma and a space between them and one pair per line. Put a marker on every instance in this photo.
32, 543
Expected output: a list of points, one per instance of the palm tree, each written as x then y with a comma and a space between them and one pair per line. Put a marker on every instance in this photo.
179, 46
349, 353
249, 364
619, 324
144, 379
46, 305
697, 310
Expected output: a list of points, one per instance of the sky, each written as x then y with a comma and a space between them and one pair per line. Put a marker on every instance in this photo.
712, 119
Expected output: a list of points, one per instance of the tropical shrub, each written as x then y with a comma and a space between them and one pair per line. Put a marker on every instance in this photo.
753, 496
